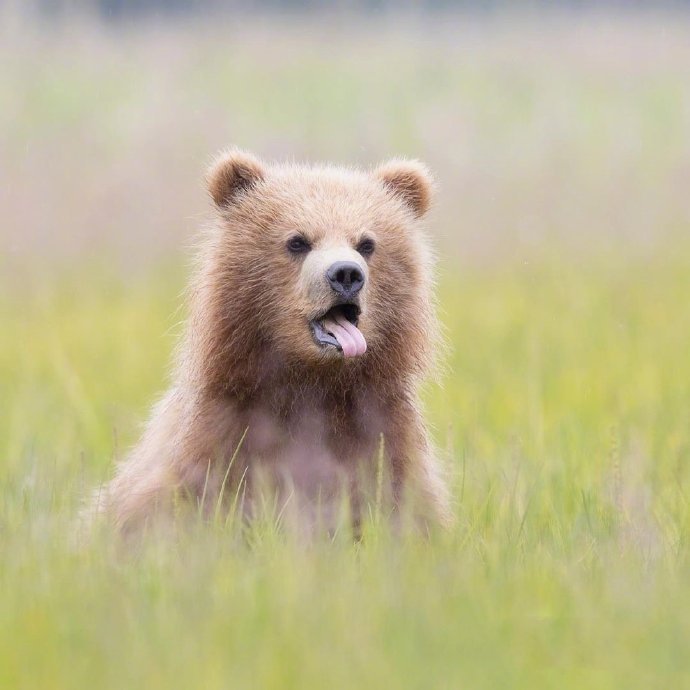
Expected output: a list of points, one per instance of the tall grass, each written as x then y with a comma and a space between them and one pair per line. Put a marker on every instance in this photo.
563, 417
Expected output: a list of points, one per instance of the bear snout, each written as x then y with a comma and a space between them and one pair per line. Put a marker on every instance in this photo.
345, 278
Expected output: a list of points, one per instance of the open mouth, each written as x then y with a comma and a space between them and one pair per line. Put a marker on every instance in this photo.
338, 328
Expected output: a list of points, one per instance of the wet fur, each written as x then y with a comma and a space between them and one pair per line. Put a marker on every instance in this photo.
247, 368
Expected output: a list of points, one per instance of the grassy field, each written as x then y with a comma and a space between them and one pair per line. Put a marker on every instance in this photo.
563, 408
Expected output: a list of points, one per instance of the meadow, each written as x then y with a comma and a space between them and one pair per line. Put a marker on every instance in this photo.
561, 407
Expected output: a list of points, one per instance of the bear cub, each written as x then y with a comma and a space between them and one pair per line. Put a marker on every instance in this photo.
311, 326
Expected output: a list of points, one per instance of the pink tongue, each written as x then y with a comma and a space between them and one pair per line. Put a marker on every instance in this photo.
348, 335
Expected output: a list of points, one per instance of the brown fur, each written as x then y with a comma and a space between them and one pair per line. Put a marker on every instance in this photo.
313, 420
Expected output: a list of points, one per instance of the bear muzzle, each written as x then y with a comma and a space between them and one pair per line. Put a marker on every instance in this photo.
335, 278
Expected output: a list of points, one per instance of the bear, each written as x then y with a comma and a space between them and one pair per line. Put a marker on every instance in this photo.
311, 326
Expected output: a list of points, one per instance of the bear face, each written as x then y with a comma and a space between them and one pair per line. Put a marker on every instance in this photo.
316, 267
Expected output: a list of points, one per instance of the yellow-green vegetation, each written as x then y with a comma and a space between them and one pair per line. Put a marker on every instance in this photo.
562, 408
564, 416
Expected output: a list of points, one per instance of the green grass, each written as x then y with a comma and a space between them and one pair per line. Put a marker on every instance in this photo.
563, 415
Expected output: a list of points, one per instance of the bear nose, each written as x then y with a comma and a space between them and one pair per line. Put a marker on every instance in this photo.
346, 278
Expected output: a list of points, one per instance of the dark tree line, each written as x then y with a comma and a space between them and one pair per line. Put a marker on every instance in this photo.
114, 10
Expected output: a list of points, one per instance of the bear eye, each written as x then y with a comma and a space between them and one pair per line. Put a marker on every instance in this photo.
366, 247
298, 245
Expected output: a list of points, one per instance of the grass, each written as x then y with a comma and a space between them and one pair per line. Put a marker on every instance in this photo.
563, 415
562, 409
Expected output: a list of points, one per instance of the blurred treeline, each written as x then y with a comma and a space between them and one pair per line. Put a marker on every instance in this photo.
114, 10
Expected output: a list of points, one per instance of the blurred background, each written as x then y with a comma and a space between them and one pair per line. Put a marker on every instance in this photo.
549, 125
559, 134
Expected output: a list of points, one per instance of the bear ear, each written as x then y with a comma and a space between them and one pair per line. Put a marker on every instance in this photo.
231, 173
410, 180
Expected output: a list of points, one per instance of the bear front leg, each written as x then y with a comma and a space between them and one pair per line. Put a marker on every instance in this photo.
180, 456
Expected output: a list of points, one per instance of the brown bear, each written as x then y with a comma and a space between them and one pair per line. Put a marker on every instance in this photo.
311, 324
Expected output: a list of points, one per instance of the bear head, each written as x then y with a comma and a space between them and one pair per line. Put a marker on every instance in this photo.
313, 268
